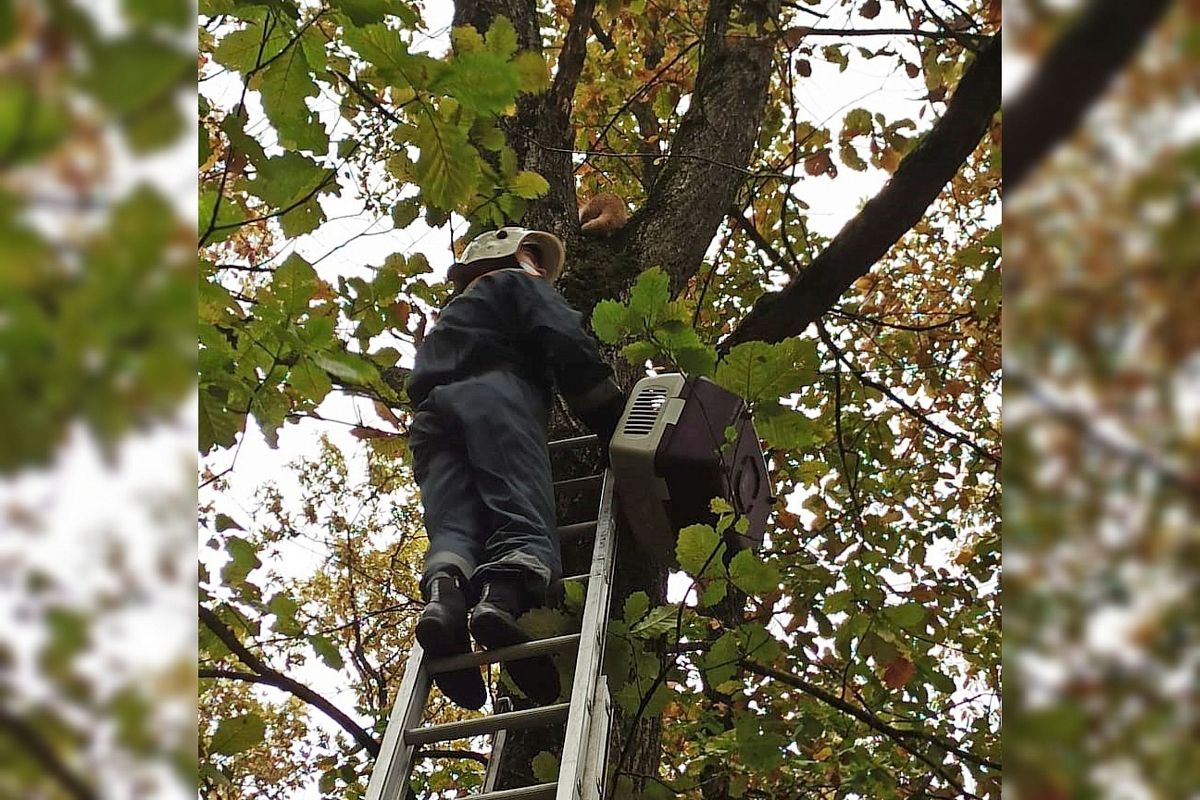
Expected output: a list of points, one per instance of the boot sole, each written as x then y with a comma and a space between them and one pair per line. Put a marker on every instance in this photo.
438, 639
464, 687
495, 629
537, 677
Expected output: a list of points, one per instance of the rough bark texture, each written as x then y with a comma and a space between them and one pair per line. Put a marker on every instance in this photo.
684, 209
887, 216
709, 152
686, 203
1075, 72
521, 13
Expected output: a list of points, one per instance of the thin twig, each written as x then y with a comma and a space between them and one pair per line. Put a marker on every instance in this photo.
896, 734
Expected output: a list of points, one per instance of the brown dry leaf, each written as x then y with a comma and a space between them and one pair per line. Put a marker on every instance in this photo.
923, 594
399, 313
912, 69
324, 291
870, 9
992, 13
820, 164
955, 387
363, 432
898, 673
793, 36
890, 159
387, 413
804, 67
786, 519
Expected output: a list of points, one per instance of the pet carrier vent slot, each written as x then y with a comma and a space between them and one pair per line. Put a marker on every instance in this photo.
646, 407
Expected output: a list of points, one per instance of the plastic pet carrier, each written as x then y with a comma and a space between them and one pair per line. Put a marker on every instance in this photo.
670, 458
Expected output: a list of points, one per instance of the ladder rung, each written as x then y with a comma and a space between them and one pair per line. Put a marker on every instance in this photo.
575, 441
575, 530
583, 577
538, 647
529, 718
575, 483
539, 792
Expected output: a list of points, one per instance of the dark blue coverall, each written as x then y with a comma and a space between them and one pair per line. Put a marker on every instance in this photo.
481, 386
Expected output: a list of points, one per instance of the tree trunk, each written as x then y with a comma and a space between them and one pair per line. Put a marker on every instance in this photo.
686, 202
684, 209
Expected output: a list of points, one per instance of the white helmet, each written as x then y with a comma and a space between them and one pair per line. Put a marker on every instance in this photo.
506, 241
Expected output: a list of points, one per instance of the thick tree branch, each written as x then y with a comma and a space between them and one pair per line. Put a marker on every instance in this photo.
970, 39
24, 736
265, 674
602, 36
648, 146
1078, 68
691, 196
887, 216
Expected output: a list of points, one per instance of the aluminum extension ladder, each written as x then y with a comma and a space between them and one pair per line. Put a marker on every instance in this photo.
588, 710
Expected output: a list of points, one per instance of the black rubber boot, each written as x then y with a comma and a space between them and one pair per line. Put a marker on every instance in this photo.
442, 631
494, 625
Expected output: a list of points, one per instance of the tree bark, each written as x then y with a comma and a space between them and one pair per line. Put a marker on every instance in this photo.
684, 209
686, 203
706, 164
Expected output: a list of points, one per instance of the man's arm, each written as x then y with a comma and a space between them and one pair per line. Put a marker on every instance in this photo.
583, 376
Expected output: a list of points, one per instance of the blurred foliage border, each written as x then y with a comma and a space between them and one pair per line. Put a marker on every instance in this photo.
1103, 428
97, 368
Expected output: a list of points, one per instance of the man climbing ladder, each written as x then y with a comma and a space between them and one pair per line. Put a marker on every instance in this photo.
482, 387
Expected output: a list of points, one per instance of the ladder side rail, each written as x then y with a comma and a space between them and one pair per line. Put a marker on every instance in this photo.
499, 739
596, 763
389, 777
591, 647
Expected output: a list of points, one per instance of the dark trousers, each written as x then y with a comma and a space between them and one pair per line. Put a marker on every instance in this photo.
480, 458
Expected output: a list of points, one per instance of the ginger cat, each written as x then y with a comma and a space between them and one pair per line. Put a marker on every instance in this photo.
603, 214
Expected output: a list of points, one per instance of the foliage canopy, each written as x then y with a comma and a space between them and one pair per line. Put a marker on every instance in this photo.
859, 655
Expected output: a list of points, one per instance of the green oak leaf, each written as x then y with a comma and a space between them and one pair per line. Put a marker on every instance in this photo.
721, 661
545, 767
908, 615
237, 734
609, 321
528, 185
293, 284
759, 372
636, 606
448, 168
751, 575
218, 426
481, 81
649, 296
501, 38
285, 84
696, 546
